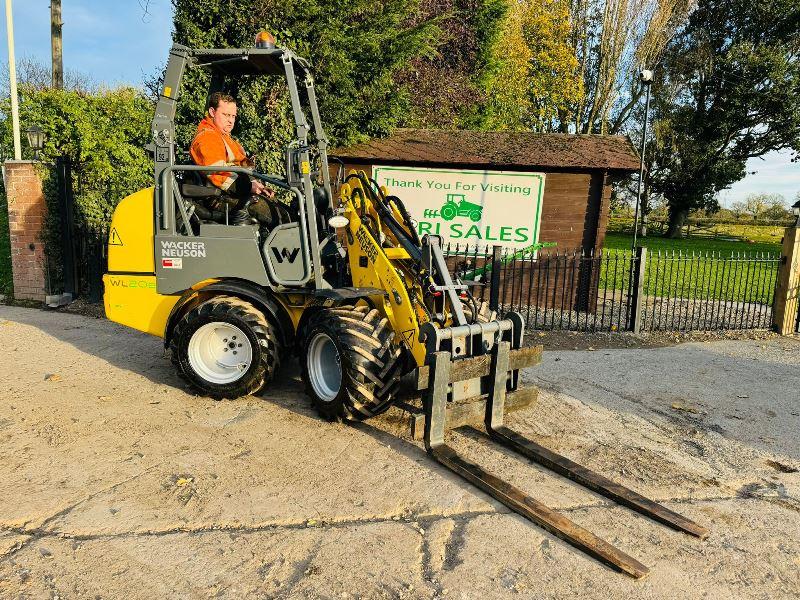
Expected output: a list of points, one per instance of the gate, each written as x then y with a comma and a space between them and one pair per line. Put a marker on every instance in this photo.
83, 246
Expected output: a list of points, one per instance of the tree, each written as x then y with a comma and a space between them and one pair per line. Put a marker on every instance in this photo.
103, 132
356, 48
534, 76
447, 90
612, 40
730, 92
34, 74
771, 207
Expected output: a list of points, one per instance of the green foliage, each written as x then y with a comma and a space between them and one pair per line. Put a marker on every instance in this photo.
6, 285
445, 91
731, 92
532, 77
103, 133
356, 48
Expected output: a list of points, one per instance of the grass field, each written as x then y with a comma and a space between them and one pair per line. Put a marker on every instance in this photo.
622, 241
746, 232
696, 268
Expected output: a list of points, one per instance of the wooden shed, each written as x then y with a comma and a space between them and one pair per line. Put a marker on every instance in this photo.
578, 170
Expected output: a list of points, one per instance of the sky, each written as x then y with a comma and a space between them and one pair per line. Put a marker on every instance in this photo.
113, 41
121, 42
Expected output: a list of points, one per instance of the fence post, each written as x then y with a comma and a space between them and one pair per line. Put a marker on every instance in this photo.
637, 289
787, 288
494, 285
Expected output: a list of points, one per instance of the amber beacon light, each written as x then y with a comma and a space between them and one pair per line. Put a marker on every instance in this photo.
264, 39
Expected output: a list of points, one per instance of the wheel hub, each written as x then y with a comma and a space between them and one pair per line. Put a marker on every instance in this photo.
220, 353
324, 367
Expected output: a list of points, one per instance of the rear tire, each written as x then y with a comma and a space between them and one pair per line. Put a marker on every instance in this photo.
225, 348
350, 368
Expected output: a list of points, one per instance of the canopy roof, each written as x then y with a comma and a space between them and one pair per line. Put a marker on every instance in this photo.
246, 61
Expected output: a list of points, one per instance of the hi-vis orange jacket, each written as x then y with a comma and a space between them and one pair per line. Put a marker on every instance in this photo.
212, 147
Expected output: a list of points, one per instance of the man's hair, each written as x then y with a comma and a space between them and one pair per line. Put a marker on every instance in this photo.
217, 97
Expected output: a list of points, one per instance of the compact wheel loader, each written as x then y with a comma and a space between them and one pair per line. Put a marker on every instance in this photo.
346, 284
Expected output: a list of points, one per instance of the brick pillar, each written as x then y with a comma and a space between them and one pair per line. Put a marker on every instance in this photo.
26, 212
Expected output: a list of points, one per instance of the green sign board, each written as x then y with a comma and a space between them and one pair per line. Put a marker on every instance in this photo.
472, 208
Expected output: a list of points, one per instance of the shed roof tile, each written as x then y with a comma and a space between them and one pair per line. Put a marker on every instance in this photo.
497, 149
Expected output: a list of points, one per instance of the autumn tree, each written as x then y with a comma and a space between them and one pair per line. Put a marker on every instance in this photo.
534, 77
729, 91
759, 207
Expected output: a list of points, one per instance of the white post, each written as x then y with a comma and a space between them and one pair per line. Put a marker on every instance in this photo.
12, 77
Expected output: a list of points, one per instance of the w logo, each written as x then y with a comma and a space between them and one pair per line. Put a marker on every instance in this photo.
285, 254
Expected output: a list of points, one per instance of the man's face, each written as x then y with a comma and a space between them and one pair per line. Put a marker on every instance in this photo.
224, 116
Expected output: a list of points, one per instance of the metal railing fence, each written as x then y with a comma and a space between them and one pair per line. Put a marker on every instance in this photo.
616, 290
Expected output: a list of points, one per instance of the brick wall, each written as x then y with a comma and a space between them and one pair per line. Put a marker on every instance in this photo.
26, 212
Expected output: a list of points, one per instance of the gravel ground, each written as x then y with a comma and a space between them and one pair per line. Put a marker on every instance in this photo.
115, 481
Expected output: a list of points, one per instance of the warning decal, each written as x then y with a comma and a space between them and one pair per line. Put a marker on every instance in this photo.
114, 239
408, 337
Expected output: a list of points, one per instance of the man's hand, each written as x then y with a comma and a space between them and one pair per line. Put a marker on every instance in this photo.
259, 189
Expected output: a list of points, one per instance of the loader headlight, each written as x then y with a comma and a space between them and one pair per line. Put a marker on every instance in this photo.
338, 222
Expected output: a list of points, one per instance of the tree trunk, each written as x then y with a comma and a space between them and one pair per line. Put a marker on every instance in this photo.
677, 217
56, 45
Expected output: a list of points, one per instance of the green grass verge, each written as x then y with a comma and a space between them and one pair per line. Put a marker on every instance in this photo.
696, 268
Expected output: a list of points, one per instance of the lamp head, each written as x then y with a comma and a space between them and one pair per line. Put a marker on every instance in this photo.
36, 137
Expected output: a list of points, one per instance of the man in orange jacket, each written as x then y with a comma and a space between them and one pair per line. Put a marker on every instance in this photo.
213, 145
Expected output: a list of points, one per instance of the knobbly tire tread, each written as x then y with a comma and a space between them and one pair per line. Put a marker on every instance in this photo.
371, 364
250, 320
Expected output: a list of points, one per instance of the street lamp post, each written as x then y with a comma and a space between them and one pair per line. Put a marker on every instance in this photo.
646, 77
12, 82
796, 212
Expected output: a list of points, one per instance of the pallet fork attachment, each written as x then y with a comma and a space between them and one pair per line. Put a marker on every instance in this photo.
502, 375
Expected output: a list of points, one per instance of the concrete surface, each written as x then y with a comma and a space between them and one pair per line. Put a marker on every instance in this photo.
115, 482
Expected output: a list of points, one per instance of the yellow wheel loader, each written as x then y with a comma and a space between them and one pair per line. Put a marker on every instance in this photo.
345, 283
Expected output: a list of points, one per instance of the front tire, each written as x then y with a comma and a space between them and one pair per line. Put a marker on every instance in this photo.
350, 368
225, 348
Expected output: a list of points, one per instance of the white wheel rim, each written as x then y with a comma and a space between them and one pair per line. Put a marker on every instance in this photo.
220, 353
324, 367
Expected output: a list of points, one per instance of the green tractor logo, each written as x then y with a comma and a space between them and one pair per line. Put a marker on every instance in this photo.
457, 206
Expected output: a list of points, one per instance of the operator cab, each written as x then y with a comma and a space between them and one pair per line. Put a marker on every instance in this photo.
296, 248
